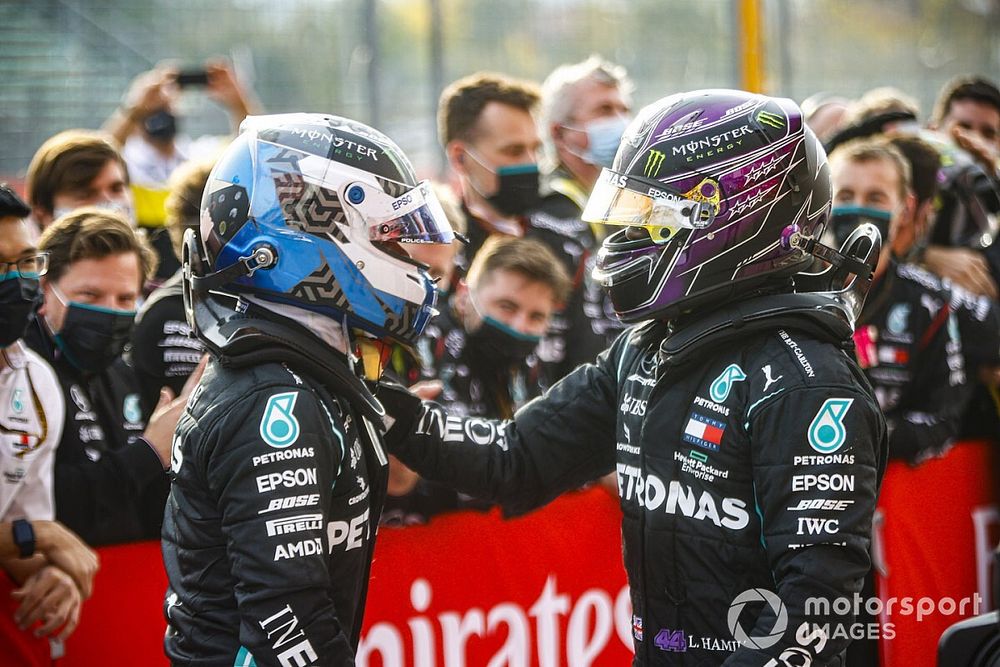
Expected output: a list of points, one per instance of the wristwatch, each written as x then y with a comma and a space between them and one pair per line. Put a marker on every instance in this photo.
24, 538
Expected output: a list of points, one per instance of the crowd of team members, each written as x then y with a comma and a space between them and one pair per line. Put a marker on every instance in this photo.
99, 359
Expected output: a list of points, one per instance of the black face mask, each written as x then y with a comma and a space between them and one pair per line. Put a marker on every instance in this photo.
518, 191
845, 219
161, 125
18, 299
92, 337
496, 344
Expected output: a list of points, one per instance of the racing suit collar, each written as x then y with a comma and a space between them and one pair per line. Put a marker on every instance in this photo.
817, 314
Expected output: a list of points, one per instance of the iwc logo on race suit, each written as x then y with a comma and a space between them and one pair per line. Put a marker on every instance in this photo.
278, 427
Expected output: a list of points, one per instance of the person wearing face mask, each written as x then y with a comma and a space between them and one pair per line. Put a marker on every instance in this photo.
482, 345
110, 484
586, 107
489, 135
478, 357
76, 168
31, 424
906, 339
148, 127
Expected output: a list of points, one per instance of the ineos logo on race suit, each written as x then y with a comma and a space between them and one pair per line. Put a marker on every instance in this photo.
650, 493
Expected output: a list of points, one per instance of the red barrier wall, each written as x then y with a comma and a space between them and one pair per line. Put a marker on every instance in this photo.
938, 526
472, 585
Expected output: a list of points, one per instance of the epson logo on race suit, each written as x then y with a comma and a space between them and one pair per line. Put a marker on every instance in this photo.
823, 482
283, 628
286, 478
650, 493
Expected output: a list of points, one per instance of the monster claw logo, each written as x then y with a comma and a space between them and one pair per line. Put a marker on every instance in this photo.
771, 119
654, 160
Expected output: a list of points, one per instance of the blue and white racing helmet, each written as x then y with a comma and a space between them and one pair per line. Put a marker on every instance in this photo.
316, 211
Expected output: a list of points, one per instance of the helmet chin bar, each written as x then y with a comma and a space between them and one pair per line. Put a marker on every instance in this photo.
851, 269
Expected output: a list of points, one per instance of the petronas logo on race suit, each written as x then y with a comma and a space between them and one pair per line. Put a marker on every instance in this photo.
279, 427
723, 384
826, 432
131, 409
17, 401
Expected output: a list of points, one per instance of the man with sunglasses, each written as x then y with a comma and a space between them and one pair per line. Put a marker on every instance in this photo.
31, 423
747, 443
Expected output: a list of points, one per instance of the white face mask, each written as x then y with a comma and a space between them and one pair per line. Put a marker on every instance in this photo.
604, 135
124, 208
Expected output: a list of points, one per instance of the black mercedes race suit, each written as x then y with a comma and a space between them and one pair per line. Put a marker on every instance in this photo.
163, 352
747, 458
109, 482
586, 325
909, 347
278, 481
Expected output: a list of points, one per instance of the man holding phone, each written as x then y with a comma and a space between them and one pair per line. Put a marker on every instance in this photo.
147, 127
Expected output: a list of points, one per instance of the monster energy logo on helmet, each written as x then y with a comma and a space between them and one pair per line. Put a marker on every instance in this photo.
771, 119
654, 160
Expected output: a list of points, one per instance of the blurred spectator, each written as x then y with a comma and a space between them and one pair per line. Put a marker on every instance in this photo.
978, 316
586, 107
486, 126
76, 168
906, 338
968, 110
958, 246
164, 352
31, 423
480, 348
824, 114
147, 126
110, 484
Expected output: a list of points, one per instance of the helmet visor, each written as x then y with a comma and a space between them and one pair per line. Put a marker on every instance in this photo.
417, 217
627, 201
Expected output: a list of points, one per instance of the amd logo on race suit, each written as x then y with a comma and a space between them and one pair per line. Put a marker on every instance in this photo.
652, 494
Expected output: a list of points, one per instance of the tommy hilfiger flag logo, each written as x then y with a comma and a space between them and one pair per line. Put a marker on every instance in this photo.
704, 431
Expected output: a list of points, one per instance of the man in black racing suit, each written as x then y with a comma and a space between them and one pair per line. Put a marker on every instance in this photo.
278, 471
748, 445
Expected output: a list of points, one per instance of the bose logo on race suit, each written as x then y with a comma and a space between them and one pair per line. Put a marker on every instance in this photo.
823, 482
353, 532
650, 493
291, 501
811, 526
294, 524
435, 421
826, 504
284, 624
286, 478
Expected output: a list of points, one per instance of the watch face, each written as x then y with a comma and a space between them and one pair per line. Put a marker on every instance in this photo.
24, 538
